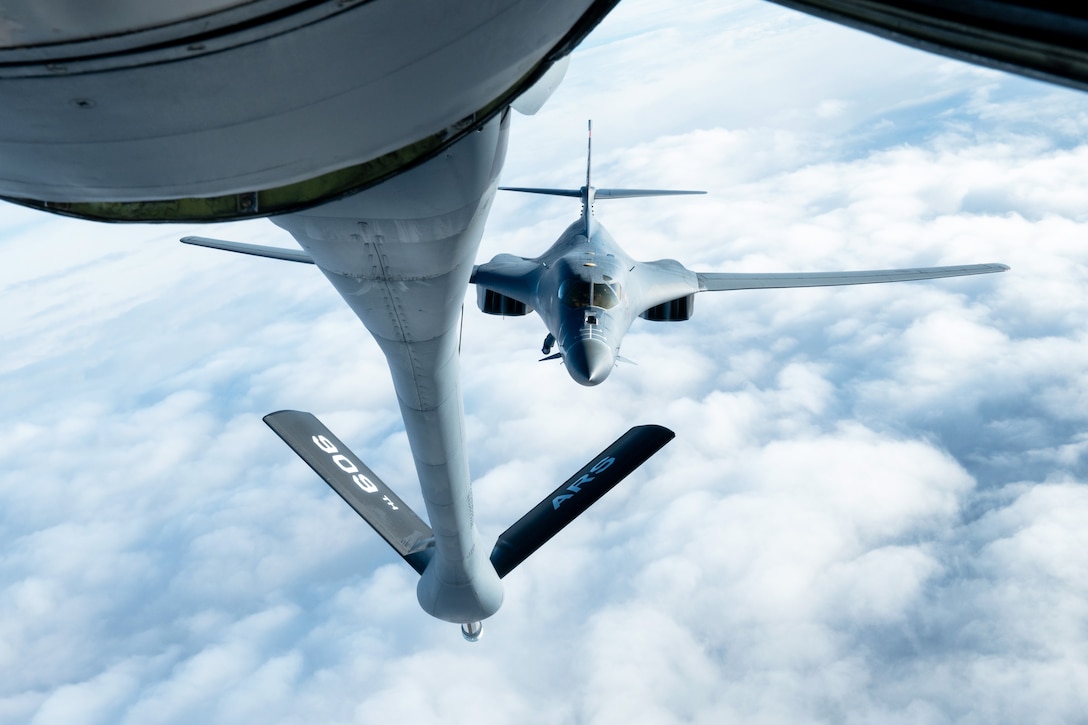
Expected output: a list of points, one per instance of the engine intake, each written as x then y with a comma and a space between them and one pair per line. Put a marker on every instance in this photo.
676, 310
494, 303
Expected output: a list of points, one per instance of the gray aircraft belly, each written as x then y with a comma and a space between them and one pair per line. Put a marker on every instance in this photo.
400, 255
151, 104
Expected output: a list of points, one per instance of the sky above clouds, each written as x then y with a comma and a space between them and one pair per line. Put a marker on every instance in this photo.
874, 509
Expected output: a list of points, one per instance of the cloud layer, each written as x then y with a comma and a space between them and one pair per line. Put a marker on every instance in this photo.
873, 510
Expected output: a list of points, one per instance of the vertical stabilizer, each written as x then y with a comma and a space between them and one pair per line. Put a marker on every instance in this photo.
589, 149
589, 195
587, 190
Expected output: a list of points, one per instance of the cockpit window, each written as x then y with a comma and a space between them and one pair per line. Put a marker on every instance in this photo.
579, 293
604, 296
576, 293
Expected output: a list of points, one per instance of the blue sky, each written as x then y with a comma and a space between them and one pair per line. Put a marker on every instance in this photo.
873, 510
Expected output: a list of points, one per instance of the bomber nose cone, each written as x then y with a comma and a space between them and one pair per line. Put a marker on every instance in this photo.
589, 361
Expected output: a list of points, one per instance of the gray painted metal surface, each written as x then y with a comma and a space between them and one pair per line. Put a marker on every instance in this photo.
1045, 39
179, 107
130, 110
400, 254
30, 24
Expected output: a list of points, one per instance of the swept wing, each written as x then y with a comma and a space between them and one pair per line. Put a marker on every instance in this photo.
722, 281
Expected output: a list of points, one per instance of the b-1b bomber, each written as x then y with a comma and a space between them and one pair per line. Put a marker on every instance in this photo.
589, 292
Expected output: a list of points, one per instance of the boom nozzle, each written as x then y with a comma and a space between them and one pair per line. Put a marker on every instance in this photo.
472, 631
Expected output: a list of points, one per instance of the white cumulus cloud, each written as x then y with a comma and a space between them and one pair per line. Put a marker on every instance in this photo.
872, 511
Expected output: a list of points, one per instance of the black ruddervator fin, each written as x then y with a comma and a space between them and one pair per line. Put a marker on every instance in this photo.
401, 528
412, 538
577, 494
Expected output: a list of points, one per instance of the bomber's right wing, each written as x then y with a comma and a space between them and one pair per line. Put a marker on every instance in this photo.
721, 281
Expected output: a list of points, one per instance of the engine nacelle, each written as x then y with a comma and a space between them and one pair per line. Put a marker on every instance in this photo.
494, 303
676, 310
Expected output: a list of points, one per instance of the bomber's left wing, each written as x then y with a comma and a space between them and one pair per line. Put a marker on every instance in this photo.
721, 281
506, 284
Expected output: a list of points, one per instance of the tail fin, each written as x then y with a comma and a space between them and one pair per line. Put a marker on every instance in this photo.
588, 194
589, 149
577, 494
401, 528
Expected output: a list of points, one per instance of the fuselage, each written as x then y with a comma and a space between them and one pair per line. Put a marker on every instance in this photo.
588, 292
400, 255
582, 297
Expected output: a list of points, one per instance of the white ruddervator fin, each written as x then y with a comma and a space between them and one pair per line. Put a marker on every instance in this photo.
256, 250
723, 281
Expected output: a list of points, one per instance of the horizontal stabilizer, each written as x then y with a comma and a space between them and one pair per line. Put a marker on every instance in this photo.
634, 193
601, 193
717, 282
401, 528
577, 494
576, 193
257, 250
